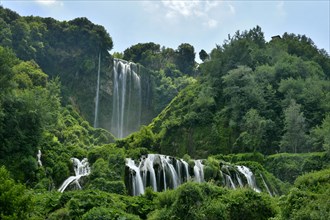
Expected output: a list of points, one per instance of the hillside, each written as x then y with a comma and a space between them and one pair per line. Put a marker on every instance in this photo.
243, 135
252, 96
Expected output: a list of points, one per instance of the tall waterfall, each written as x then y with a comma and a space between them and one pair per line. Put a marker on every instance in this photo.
97, 94
126, 104
161, 172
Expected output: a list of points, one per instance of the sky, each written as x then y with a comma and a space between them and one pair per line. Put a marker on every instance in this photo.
203, 23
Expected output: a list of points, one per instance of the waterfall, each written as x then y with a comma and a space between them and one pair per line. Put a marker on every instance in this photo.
161, 172
198, 171
81, 168
39, 158
264, 182
229, 181
171, 170
97, 93
249, 177
147, 166
186, 177
127, 100
137, 183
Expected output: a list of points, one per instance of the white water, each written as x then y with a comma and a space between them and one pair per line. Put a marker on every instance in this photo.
249, 177
148, 166
96, 113
137, 183
127, 101
199, 171
229, 181
173, 173
185, 164
81, 168
39, 158
264, 182
163, 172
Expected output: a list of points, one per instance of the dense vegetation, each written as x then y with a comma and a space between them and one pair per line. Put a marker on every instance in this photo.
252, 95
262, 104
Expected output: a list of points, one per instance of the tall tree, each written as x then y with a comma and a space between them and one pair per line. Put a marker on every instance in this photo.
254, 131
203, 55
185, 58
294, 138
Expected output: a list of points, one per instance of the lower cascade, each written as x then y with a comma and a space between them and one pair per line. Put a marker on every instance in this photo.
161, 172
81, 168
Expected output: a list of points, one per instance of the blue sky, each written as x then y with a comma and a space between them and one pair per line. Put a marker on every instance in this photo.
203, 23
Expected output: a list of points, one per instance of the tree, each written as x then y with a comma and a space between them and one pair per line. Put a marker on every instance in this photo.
15, 200
322, 134
294, 138
254, 130
203, 55
185, 60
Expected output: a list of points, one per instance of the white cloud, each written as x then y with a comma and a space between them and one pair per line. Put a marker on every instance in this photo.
232, 9
280, 9
49, 2
192, 9
207, 13
211, 23
184, 8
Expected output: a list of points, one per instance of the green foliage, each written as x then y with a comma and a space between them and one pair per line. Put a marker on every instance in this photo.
32, 71
91, 204
310, 198
242, 94
15, 200
103, 213
206, 201
107, 164
321, 134
185, 60
203, 55
294, 136
287, 167
246, 204
66, 49
234, 158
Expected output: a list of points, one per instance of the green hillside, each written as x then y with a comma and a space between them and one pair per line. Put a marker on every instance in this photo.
256, 114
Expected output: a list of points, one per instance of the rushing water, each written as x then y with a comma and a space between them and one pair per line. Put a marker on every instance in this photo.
97, 99
81, 168
126, 103
161, 172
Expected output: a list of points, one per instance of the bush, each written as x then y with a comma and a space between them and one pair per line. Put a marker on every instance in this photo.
287, 167
15, 199
103, 213
247, 204
310, 197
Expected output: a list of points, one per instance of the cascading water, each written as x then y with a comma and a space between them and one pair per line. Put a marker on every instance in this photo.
199, 171
157, 171
135, 175
161, 172
249, 177
81, 168
96, 113
127, 101
39, 158
265, 184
